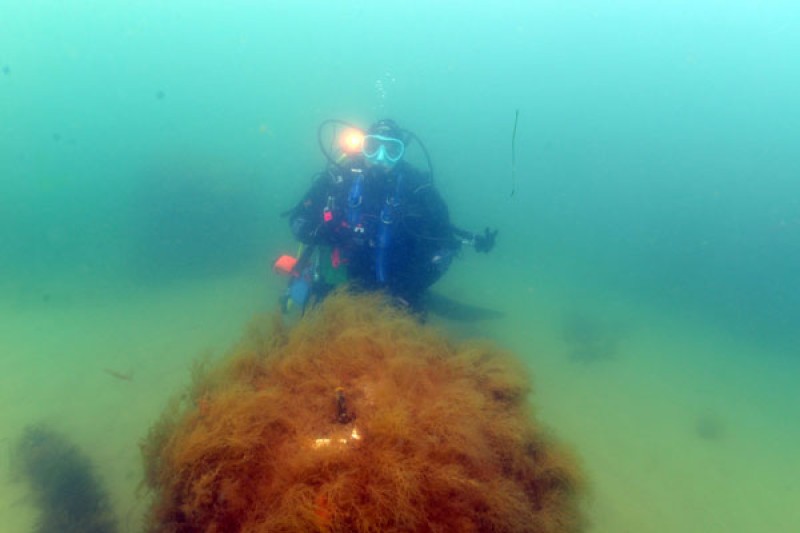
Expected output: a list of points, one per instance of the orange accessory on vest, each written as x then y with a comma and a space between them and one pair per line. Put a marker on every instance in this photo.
285, 265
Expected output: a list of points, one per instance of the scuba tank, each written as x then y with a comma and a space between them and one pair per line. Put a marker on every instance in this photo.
355, 199
385, 229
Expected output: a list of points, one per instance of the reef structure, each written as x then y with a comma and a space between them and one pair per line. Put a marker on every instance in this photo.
358, 419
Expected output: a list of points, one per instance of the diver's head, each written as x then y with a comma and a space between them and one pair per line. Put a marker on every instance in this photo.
383, 144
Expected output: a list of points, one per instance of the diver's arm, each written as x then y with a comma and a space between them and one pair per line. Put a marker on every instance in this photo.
441, 229
306, 217
435, 218
464, 237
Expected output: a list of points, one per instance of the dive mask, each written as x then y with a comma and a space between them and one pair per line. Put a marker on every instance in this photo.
381, 149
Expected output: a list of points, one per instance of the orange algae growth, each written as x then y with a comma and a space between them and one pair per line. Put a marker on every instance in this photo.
437, 436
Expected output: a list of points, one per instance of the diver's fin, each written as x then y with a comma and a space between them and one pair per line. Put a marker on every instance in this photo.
458, 311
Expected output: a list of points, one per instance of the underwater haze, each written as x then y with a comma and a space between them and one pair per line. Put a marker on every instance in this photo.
648, 253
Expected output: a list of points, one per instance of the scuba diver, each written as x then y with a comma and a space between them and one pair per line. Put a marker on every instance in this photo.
373, 220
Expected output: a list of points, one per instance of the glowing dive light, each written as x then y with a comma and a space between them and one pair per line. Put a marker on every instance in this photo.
351, 141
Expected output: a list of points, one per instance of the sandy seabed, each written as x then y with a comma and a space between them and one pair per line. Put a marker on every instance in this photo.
679, 427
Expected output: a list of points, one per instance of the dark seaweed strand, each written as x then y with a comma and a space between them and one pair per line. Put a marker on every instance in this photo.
514, 154
64, 484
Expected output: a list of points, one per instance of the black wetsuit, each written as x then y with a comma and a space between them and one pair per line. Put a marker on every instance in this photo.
391, 229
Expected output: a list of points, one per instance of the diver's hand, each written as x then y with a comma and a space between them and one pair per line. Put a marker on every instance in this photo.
484, 243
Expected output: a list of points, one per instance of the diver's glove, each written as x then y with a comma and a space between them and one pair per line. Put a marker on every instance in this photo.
484, 243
